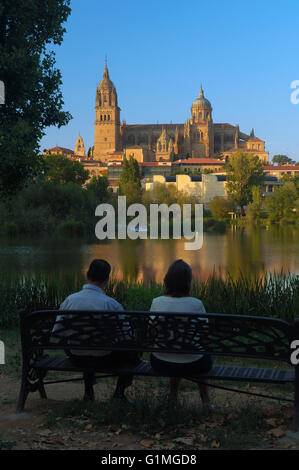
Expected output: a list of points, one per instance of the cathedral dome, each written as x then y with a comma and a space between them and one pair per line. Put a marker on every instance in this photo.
201, 101
106, 83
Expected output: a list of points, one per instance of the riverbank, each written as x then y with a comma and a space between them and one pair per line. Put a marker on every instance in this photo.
272, 295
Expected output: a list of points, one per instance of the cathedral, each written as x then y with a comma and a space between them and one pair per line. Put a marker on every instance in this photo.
198, 137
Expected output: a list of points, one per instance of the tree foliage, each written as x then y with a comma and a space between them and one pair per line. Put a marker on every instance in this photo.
243, 172
283, 160
255, 208
98, 186
166, 194
220, 207
281, 204
130, 181
33, 99
59, 169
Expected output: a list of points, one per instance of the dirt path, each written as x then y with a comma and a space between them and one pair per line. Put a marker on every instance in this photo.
32, 431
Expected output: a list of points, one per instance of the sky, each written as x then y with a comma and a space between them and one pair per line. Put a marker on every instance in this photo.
245, 54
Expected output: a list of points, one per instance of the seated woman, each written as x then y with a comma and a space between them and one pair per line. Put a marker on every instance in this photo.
177, 283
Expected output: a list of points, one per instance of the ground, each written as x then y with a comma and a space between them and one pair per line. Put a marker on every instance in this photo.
64, 421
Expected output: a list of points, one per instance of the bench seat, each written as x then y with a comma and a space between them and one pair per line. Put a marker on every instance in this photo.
250, 374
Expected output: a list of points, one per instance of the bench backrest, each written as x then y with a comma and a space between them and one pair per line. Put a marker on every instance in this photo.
217, 334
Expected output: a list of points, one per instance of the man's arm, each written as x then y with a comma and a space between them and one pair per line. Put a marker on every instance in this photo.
59, 321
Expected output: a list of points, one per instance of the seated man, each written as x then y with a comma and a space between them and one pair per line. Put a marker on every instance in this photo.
92, 297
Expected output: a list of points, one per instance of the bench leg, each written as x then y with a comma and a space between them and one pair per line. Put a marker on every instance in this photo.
22, 396
42, 391
295, 424
89, 380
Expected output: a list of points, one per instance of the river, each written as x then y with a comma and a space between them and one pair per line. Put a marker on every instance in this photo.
250, 251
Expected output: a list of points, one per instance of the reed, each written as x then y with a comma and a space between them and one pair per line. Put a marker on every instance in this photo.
270, 294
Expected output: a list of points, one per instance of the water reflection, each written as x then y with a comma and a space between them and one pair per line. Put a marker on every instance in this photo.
248, 250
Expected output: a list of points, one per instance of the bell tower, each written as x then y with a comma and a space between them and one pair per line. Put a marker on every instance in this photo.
79, 147
107, 119
202, 129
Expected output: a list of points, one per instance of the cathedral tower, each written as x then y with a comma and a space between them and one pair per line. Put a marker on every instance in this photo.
79, 148
107, 121
201, 129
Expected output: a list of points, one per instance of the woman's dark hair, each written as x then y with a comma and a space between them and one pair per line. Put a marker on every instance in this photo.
99, 270
177, 281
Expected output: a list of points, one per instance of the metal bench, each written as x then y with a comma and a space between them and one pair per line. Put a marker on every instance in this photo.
238, 336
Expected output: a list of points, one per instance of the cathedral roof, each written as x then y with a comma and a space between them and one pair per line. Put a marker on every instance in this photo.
255, 139
201, 101
106, 83
200, 161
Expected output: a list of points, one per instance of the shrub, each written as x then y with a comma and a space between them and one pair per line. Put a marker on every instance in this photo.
220, 207
10, 228
72, 228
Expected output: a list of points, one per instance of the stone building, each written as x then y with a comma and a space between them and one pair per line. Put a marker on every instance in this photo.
198, 137
79, 147
206, 187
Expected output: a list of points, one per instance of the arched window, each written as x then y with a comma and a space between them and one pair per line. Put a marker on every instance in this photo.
104, 117
101, 117
108, 117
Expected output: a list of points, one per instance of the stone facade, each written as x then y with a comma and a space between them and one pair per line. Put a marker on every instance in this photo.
198, 137
79, 147
107, 120
206, 187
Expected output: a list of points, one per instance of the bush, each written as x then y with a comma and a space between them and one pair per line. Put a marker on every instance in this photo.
72, 228
10, 228
220, 207
212, 225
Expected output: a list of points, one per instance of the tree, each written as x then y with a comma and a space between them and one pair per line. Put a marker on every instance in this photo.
243, 172
98, 187
255, 208
282, 160
130, 181
281, 203
61, 170
220, 207
33, 99
166, 194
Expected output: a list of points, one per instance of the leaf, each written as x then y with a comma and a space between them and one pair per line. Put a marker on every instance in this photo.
277, 432
184, 440
89, 426
288, 411
215, 444
45, 432
113, 427
271, 422
146, 443
269, 411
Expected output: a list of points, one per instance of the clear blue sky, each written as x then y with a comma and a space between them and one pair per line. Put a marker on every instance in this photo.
159, 52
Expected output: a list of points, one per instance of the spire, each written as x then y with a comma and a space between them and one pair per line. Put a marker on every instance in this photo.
252, 133
201, 95
106, 73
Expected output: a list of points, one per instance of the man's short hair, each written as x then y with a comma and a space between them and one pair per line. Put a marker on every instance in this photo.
99, 270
